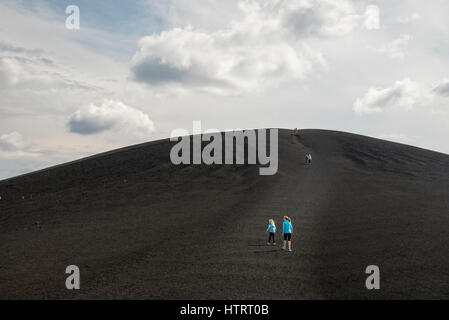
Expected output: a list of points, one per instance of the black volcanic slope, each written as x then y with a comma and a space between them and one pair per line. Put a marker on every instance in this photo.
141, 227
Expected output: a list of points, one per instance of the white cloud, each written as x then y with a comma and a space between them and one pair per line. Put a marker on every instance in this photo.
14, 148
11, 141
46, 73
328, 18
268, 45
396, 48
5, 46
408, 19
372, 17
404, 94
17, 71
33, 81
111, 115
442, 89
35, 70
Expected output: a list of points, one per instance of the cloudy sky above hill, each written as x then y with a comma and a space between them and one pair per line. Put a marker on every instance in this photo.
137, 70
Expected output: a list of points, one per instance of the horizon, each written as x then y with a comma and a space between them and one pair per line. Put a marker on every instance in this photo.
104, 153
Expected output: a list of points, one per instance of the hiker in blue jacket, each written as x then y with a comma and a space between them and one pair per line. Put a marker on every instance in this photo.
272, 230
287, 230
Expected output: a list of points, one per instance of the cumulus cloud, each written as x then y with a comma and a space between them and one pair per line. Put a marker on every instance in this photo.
327, 18
396, 49
404, 94
110, 115
269, 44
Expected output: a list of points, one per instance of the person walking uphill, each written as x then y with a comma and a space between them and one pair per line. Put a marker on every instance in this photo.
272, 230
287, 230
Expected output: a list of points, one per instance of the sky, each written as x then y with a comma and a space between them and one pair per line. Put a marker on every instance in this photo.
135, 71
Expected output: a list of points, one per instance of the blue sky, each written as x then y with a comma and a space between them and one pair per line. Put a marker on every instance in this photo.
137, 70
138, 17
130, 19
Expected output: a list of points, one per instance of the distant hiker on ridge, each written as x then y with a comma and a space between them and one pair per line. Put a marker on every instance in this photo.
272, 230
295, 132
308, 158
287, 230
